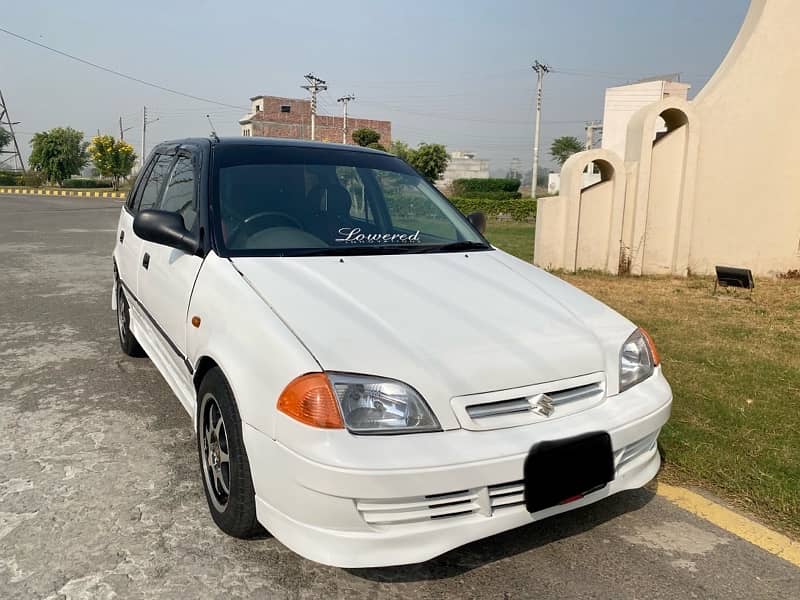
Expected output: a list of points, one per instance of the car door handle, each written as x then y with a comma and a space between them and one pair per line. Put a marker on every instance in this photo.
122, 236
146, 260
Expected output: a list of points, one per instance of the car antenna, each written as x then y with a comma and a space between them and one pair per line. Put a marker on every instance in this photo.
214, 135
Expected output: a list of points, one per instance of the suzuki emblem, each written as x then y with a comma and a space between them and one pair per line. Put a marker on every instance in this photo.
542, 404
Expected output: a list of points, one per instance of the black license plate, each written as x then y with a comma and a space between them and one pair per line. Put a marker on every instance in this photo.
561, 471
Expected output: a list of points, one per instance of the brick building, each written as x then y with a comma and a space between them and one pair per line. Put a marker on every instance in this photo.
271, 116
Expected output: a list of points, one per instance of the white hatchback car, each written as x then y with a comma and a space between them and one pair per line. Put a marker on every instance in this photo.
369, 379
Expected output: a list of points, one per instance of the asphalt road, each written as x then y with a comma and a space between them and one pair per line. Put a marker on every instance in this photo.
100, 492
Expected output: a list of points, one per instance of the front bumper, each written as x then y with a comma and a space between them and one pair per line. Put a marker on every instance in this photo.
365, 501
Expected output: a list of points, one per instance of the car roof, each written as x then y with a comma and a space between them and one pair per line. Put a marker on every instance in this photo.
268, 141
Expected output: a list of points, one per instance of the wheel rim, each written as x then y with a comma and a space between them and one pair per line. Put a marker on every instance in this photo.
123, 315
214, 452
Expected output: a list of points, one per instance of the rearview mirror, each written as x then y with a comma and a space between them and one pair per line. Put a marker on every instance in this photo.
478, 220
165, 228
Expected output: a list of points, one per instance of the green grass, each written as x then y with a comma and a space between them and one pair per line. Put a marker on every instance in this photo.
734, 368
515, 238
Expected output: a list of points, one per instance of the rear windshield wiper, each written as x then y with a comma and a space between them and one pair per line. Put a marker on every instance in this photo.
454, 247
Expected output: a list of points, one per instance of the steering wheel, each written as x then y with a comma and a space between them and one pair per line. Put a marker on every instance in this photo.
258, 222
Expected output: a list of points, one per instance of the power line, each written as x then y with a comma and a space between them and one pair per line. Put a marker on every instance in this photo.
118, 73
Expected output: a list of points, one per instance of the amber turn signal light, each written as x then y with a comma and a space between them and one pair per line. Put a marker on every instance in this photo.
652, 345
311, 400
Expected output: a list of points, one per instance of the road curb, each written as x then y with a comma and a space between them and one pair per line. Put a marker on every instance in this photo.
72, 193
739, 525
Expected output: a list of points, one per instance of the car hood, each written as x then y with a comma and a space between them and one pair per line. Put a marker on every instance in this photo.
448, 324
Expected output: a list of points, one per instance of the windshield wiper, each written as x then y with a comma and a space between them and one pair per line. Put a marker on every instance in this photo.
454, 247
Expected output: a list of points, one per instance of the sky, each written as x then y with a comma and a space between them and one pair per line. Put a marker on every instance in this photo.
451, 72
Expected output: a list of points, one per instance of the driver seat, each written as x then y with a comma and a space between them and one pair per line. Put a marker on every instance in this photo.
331, 209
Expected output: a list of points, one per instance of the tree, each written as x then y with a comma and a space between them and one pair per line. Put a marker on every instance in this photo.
366, 136
401, 150
113, 158
58, 153
5, 138
563, 147
430, 160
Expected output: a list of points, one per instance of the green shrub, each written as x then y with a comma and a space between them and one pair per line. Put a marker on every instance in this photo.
9, 178
517, 210
462, 186
32, 179
495, 195
86, 183
28, 179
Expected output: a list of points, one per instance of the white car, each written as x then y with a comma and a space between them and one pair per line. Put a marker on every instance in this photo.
370, 380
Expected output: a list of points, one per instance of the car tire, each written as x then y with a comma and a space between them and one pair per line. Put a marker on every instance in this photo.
127, 340
224, 466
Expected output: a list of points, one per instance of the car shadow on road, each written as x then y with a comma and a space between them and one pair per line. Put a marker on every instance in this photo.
513, 542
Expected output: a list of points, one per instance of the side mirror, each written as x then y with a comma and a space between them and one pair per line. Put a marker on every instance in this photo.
165, 228
478, 220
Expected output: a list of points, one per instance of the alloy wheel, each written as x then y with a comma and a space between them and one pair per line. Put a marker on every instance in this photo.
214, 452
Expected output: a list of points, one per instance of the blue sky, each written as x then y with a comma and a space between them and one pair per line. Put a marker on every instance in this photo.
446, 71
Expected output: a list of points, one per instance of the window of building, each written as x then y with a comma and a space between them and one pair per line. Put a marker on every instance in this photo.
258, 107
285, 108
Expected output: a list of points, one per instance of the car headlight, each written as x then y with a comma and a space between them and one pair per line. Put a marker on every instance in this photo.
381, 406
637, 359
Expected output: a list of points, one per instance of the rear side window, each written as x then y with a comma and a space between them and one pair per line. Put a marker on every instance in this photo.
155, 181
179, 196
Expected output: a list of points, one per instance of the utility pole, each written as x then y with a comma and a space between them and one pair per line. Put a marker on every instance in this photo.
540, 69
121, 130
315, 85
344, 100
5, 121
145, 123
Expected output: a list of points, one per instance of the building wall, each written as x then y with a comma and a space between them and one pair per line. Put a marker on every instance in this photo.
747, 210
622, 102
463, 165
270, 121
718, 188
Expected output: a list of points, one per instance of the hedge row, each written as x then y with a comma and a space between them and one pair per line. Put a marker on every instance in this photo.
86, 183
460, 187
29, 179
496, 195
517, 210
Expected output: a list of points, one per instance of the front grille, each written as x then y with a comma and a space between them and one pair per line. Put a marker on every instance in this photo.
521, 405
507, 495
631, 451
531, 404
422, 508
485, 501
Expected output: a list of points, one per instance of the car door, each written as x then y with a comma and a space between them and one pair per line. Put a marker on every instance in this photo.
167, 275
145, 195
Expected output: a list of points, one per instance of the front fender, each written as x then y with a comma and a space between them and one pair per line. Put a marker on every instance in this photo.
255, 350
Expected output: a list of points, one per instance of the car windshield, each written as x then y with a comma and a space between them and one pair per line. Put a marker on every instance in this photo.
278, 200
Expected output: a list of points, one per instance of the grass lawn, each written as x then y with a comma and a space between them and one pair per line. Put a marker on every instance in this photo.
514, 238
734, 367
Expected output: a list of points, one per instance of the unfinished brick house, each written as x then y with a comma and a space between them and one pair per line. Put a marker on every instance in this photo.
272, 116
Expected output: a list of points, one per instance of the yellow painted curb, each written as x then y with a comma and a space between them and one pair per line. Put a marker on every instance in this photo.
75, 193
750, 531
